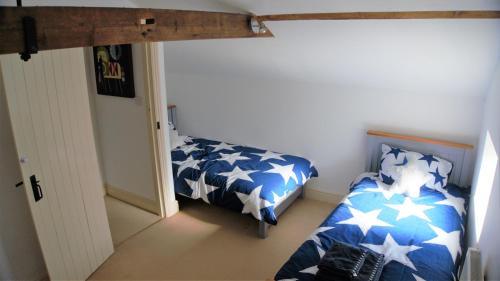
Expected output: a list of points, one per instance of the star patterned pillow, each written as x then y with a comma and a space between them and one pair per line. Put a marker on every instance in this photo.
393, 158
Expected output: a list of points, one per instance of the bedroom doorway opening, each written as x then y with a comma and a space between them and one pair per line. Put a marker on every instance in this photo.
126, 136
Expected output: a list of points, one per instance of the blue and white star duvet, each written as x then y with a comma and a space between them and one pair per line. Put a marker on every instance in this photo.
245, 179
422, 238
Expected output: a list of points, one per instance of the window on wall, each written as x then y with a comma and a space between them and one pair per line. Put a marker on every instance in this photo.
487, 172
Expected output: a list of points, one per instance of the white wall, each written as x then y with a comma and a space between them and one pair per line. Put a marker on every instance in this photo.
484, 219
20, 254
123, 137
322, 122
317, 86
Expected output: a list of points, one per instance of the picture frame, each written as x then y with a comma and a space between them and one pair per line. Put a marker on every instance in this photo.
114, 72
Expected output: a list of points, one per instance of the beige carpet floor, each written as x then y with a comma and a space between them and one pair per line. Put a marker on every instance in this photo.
126, 220
204, 242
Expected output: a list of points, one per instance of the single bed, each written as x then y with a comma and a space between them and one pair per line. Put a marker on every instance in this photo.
422, 238
249, 180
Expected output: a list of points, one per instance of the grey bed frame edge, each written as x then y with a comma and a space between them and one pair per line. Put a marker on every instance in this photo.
461, 155
264, 226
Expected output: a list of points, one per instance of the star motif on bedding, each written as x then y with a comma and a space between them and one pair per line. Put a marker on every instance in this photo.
222, 146
200, 188
286, 172
269, 155
232, 157
405, 161
456, 202
310, 270
188, 163
237, 174
386, 193
446, 239
395, 151
314, 269
429, 158
408, 208
314, 236
364, 221
438, 177
311, 168
304, 178
387, 179
352, 194
252, 203
188, 148
392, 251
205, 189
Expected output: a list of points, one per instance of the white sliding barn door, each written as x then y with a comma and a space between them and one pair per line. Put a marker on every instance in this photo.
50, 114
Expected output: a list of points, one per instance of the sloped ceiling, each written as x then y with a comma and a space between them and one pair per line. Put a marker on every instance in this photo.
454, 57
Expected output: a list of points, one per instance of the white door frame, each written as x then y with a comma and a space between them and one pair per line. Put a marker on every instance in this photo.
155, 96
157, 99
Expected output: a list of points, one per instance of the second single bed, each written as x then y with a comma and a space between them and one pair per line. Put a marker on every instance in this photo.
420, 232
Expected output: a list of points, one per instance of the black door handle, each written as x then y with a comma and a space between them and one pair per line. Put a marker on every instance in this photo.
37, 189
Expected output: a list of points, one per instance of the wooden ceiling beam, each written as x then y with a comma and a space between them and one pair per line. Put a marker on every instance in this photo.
383, 15
67, 27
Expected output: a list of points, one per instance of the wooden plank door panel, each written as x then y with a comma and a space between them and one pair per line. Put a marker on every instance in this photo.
50, 115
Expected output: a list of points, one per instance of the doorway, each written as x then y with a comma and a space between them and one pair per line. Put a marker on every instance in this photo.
123, 129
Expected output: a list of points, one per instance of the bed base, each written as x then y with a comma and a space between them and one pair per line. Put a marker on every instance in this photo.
264, 226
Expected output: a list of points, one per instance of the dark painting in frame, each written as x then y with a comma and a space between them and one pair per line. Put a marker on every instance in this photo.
114, 71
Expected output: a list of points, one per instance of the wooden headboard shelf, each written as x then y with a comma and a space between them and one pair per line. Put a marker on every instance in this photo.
461, 155
419, 139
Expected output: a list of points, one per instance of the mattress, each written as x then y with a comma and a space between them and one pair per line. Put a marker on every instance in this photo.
242, 178
422, 238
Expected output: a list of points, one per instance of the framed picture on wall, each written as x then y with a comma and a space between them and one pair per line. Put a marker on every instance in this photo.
114, 73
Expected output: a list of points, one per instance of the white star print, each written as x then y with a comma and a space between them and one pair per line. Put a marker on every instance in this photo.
455, 202
364, 221
386, 193
417, 278
233, 157
314, 236
188, 148
286, 172
269, 155
310, 270
449, 240
408, 208
200, 188
222, 146
304, 178
347, 201
188, 163
237, 174
311, 166
314, 269
252, 203
393, 251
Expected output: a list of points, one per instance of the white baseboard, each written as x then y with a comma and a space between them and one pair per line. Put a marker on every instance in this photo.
133, 199
323, 196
